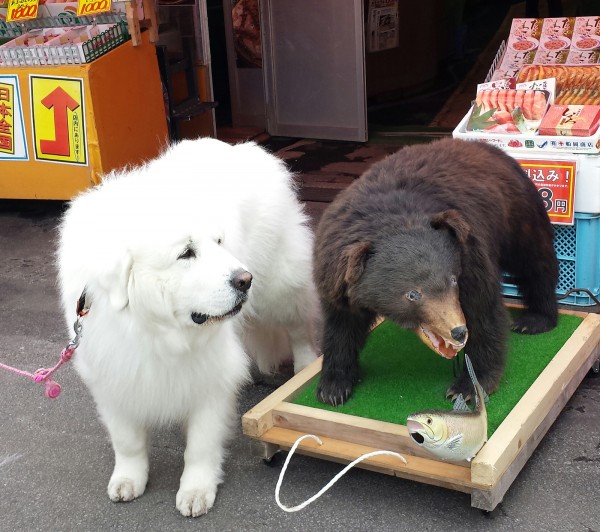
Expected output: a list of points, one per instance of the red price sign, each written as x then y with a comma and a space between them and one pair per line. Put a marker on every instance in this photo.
555, 181
21, 10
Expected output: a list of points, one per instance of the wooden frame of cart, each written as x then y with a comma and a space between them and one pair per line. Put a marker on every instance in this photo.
277, 423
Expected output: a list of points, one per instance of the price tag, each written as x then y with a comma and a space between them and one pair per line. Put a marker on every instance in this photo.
21, 10
92, 7
555, 181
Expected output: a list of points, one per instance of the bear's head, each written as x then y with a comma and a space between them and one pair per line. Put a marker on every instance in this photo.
411, 275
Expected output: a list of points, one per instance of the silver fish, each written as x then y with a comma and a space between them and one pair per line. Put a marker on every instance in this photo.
456, 434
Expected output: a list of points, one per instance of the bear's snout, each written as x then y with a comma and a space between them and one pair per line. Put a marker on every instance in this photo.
459, 333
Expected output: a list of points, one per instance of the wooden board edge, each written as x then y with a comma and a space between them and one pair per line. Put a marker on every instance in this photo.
427, 471
488, 500
259, 418
567, 367
345, 427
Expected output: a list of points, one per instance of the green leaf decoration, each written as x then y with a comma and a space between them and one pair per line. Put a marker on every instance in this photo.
480, 120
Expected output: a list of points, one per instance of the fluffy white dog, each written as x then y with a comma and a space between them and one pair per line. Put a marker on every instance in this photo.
168, 253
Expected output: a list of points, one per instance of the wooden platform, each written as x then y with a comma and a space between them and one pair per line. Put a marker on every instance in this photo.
277, 423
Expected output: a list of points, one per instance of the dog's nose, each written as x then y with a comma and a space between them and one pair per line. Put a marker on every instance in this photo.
459, 333
241, 280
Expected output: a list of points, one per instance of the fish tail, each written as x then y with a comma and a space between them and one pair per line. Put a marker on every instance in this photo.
480, 394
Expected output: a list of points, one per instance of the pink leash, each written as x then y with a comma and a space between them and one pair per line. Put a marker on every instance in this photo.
43, 374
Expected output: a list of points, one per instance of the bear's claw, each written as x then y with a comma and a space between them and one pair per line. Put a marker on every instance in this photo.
335, 393
533, 323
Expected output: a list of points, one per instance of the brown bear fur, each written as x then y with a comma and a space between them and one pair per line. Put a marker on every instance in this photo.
422, 238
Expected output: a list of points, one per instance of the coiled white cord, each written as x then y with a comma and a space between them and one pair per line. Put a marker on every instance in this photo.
331, 482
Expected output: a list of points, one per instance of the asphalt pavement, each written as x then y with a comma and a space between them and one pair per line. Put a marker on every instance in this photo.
56, 458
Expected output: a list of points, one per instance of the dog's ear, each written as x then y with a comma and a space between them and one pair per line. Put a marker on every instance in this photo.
452, 220
351, 266
116, 282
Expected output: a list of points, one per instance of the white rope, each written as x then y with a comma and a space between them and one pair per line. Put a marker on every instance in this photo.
331, 482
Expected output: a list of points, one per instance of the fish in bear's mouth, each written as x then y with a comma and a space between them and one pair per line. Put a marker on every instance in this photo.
202, 319
439, 344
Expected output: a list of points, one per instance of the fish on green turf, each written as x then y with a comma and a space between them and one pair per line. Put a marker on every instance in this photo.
456, 434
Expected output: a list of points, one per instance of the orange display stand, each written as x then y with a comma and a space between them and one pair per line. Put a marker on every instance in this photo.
65, 126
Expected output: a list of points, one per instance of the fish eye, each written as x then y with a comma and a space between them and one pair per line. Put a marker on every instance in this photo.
413, 295
188, 253
429, 421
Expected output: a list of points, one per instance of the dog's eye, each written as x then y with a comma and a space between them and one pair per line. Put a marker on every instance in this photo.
413, 295
188, 253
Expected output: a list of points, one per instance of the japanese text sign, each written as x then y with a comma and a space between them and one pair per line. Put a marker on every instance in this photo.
555, 181
58, 119
12, 131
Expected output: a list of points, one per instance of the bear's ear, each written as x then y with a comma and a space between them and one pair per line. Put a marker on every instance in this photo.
351, 266
453, 221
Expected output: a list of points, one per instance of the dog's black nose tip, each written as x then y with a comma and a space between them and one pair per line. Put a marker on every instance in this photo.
459, 333
241, 280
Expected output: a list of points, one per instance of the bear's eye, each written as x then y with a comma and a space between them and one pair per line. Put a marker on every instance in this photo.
188, 253
219, 241
413, 295
453, 281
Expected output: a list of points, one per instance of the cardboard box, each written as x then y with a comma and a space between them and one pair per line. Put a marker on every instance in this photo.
571, 120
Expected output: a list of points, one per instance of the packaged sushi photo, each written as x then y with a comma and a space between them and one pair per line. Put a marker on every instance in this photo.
503, 107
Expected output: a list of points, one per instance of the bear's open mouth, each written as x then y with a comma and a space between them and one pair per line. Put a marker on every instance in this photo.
202, 319
439, 344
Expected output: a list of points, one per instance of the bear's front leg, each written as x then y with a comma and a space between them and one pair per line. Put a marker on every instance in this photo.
486, 347
344, 335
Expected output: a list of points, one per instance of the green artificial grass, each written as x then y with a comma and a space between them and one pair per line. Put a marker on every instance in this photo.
400, 375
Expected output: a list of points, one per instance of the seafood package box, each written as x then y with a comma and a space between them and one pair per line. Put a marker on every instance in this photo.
62, 46
571, 120
530, 142
563, 40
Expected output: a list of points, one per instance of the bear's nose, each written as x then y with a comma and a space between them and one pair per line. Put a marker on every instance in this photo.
459, 333
241, 280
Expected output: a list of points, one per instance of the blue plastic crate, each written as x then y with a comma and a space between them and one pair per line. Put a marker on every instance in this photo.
578, 251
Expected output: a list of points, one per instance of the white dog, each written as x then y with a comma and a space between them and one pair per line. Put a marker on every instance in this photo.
168, 253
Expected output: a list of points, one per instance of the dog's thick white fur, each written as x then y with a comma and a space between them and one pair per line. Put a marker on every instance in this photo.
164, 252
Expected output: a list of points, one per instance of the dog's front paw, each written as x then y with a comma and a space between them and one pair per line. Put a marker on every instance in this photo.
122, 489
195, 501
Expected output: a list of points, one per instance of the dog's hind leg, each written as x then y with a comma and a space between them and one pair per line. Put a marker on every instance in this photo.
301, 342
